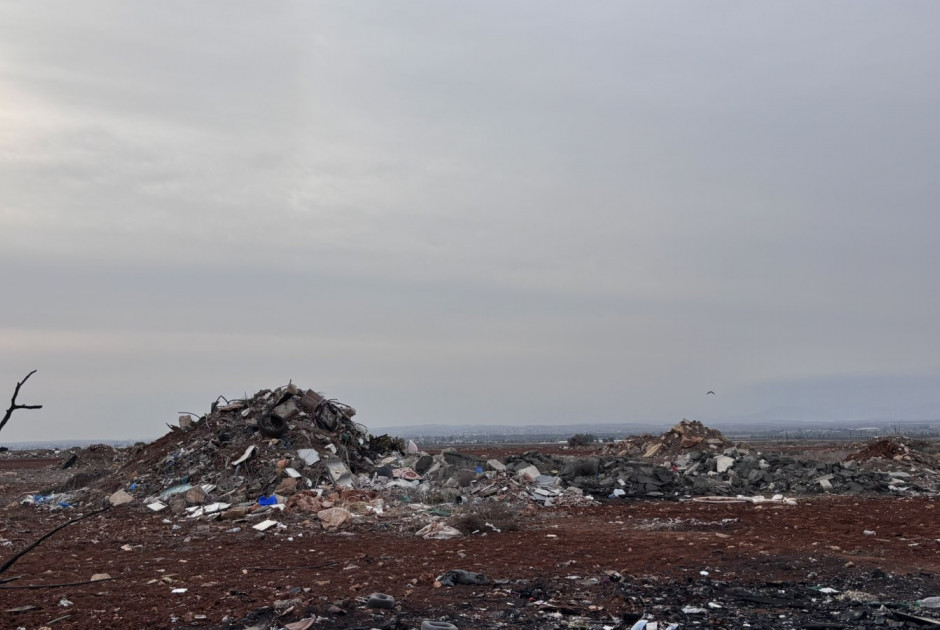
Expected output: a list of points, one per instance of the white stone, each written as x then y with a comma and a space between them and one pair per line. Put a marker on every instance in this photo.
723, 463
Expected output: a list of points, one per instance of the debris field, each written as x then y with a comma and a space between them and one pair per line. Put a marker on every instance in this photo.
280, 511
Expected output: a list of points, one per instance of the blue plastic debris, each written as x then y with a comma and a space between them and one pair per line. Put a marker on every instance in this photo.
271, 500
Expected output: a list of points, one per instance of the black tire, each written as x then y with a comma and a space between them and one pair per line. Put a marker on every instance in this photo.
272, 425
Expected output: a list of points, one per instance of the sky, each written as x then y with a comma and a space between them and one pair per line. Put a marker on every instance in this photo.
459, 213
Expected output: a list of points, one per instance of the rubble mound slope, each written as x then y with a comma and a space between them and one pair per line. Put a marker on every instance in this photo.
237, 439
687, 436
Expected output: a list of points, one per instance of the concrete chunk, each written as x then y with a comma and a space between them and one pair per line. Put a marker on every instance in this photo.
723, 463
263, 525
529, 472
120, 498
309, 455
496, 465
286, 410
338, 472
196, 495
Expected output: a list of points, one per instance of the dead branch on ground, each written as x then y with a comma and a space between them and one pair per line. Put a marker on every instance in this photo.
312, 566
9, 563
35, 586
14, 405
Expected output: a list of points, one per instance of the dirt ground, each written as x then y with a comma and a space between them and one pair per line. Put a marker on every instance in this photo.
597, 566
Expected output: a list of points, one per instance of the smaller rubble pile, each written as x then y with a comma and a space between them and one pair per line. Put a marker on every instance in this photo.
908, 462
692, 459
688, 436
896, 447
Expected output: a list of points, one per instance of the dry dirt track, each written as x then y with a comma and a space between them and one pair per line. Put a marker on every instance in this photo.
563, 556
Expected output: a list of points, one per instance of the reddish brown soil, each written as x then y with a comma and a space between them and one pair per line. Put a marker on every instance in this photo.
564, 555
28, 462
230, 575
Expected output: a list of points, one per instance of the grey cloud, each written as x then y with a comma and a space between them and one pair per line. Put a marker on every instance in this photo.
577, 210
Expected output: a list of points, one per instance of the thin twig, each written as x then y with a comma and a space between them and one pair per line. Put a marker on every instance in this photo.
62, 618
6, 565
314, 566
35, 586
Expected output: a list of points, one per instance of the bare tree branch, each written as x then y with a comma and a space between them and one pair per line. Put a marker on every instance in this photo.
13, 404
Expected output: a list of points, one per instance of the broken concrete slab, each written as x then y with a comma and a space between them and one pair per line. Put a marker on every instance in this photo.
120, 498
287, 410
264, 525
529, 472
197, 495
339, 473
309, 455
723, 463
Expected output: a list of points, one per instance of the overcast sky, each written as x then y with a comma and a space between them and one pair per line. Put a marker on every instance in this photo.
499, 212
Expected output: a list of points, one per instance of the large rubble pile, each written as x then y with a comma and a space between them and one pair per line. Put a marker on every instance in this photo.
245, 448
290, 451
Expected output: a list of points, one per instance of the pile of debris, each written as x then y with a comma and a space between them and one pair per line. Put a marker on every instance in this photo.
252, 447
294, 455
686, 437
896, 447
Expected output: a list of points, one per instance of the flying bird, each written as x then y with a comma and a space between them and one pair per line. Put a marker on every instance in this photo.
709, 392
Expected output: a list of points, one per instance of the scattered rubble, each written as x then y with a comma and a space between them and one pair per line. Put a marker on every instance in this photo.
298, 452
